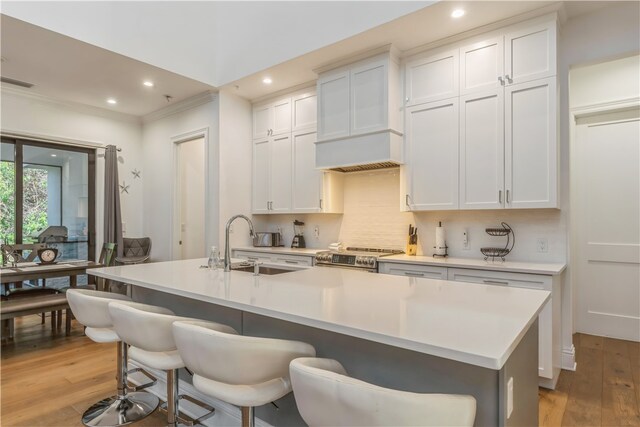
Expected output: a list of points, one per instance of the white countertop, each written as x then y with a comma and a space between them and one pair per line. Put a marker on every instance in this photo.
471, 323
480, 264
282, 250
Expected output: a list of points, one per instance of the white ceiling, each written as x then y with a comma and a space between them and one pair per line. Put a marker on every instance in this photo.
64, 68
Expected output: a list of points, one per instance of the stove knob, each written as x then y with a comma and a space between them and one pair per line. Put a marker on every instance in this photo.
371, 261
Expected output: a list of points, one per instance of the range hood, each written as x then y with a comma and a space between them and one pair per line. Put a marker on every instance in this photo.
379, 150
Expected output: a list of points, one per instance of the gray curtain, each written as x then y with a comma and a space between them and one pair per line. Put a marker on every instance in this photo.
112, 215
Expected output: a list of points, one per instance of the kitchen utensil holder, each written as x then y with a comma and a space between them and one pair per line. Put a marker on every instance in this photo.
494, 253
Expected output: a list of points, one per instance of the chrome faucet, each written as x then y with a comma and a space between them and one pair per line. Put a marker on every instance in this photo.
227, 250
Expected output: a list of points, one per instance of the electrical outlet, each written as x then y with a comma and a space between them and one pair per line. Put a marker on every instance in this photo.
316, 232
542, 244
465, 239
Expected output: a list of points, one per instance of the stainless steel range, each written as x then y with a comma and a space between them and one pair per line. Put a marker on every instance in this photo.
359, 258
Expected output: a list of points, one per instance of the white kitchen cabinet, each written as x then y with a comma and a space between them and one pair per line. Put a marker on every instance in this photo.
272, 185
549, 339
482, 65
432, 78
275, 258
413, 270
333, 105
530, 52
482, 150
369, 97
314, 190
432, 156
272, 118
531, 148
260, 190
304, 111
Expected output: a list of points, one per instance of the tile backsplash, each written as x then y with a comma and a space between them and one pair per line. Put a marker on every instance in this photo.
372, 217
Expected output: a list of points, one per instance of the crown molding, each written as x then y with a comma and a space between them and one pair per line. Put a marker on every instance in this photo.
178, 107
290, 91
75, 106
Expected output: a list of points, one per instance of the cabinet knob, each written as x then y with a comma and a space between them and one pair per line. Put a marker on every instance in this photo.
509, 79
406, 100
501, 80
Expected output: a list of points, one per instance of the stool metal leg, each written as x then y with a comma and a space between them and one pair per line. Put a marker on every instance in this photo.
124, 408
172, 398
248, 416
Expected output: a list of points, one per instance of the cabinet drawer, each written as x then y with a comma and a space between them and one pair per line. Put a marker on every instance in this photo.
423, 271
252, 256
293, 260
499, 278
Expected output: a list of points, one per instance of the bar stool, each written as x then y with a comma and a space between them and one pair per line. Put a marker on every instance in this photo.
91, 308
243, 371
326, 396
147, 329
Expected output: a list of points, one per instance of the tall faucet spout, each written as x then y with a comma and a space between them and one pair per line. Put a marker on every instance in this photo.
227, 249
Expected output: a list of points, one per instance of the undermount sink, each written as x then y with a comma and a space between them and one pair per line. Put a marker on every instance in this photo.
269, 271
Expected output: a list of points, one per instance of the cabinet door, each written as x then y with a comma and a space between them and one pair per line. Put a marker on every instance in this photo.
304, 109
530, 53
413, 270
280, 172
260, 189
369, 98
306, 178
531, 151
432, 137
482, 150
333, 106
431, 79
481, 64
281, 117
262, 120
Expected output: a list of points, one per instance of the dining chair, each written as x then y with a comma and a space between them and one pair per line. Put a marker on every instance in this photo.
136, 250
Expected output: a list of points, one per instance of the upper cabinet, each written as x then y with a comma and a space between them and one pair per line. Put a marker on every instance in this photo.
505, 125
285, 179
333, 105
273, 118
432, 78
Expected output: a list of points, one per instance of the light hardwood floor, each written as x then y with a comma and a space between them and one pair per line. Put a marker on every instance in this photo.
48, 379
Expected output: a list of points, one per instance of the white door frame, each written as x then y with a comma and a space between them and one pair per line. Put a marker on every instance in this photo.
576, 113
175, 189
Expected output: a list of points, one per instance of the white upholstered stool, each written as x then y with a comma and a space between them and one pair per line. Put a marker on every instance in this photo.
326, 396
147, 329
91, 308
243, 371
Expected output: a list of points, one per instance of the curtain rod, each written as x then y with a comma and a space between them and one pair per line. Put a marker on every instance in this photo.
55, 140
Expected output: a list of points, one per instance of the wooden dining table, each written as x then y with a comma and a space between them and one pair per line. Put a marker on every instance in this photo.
34, 271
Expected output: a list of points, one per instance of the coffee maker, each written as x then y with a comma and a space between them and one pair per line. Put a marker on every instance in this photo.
298, 235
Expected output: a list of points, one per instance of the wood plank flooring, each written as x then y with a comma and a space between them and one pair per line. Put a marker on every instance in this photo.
48, 379
603, 391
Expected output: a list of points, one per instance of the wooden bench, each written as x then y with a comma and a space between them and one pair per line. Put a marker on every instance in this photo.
55, 303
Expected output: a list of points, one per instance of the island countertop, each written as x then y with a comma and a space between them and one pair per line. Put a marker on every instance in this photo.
470, 323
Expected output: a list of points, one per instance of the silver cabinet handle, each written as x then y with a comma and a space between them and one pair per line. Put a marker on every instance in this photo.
288, 261
320, 203
406, 200
499, 196
501, 80
509, 79
495, 282
409, 273
252, 258
508, 201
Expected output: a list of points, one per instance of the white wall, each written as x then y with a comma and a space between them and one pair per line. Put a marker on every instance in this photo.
28, 114
235, 166
158, 151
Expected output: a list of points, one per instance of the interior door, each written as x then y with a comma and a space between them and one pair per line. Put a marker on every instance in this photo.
192, 196
606, 226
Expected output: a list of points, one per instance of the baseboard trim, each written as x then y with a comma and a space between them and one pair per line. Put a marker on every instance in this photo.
188, 408
569, 358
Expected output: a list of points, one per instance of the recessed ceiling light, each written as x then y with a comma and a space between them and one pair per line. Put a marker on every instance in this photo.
54, 155
147, 83
267, 80
112, 101
457, 13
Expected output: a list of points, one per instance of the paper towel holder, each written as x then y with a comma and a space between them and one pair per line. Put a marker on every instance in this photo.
445, 247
